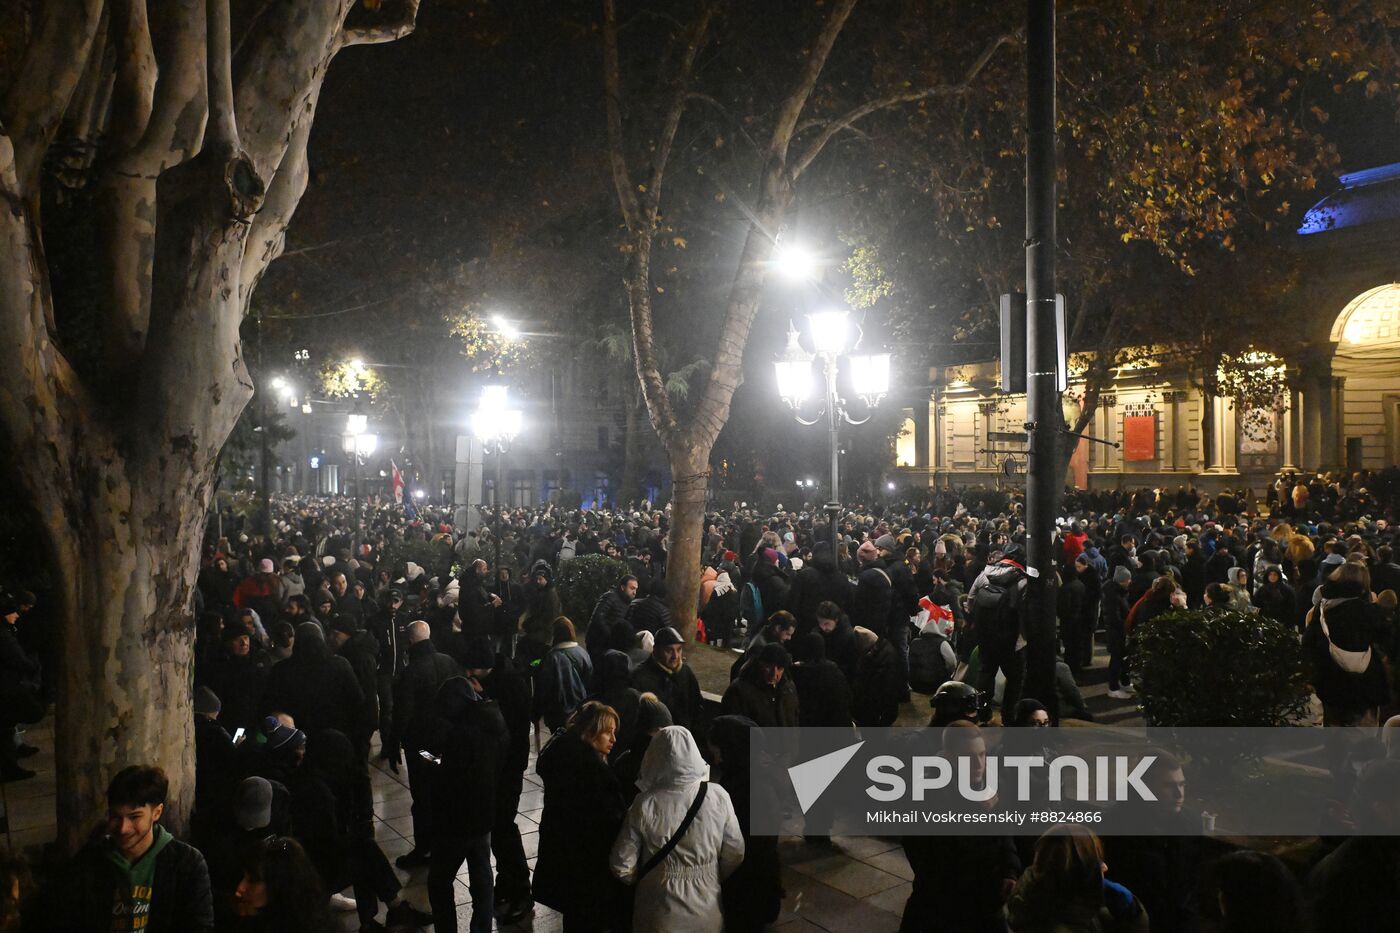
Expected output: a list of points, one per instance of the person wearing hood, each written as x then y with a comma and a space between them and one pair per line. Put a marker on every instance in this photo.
752, 896
652, 717
997, 606
679, 892
1339, 644
471, 746
721, 610
358, 647
292, 582
615, 689
1065, 891
1274, 597
608, 627
237, 675
877, 687
762, 692
316, 688
772, 585
562, 679
541, 609
819, 582
666, 675
496, 678
583, 811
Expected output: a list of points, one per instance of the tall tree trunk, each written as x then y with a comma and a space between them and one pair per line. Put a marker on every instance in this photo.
690, 472
121, 481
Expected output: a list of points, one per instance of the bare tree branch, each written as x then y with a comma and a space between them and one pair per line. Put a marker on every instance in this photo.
612, 93
893, 100
53, 65
384, 32
133, 94
176, 128
796, 102
675, 109
733, 120
222, 134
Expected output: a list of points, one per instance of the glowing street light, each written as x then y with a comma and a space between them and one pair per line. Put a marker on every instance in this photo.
505, 328
796, 263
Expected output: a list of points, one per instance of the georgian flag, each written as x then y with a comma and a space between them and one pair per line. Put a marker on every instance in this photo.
397, 483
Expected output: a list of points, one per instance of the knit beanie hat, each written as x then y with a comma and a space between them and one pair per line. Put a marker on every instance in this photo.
1122, 575
206, 702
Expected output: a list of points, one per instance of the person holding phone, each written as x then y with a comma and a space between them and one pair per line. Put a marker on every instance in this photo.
215, 770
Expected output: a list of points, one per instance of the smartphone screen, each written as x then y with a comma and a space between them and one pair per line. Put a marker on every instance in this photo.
238, 735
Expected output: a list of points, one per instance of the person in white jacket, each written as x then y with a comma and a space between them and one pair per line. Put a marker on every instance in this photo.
682, 893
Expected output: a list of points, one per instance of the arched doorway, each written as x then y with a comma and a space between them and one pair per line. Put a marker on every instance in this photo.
1366, 370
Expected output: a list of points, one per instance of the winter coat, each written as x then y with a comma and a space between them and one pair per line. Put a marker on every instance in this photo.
678, 691
873, 597
541, 608
239, 684
80, 899
614, 679
877, 687
316, 688
472, 742
608, 627
414, 691
682, 894
721, 611
1040, 906
772, 588
766, 705
1353, 622
818, 582
648, 613
841, 647
583, 811
823, 694
507, 686
362, 652
561, 683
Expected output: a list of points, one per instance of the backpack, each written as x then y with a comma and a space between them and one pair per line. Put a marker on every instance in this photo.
995, 608
751, 607
928, 669
1353, 662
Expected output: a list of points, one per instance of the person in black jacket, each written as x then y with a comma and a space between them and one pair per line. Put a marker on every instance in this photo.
238, 677
495, 677
876, 690
136, 870
762, 691
616, 690
840, 638
583, 812
823, 693
608, 626
476, 606
387, 626
753, 895
215, 769
650, 612
471, 747
1069, 611
414, 721
317, 688
666, 675
1115, 620
1352, 687
361, 651
19, 691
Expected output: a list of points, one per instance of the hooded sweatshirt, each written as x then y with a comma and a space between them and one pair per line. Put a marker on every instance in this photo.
133, 896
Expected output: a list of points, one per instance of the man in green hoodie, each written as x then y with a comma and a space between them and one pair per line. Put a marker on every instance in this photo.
137, 876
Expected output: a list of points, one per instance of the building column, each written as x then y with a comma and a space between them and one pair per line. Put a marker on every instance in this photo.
1338, 436
1311, 449
1290, 428
922, 423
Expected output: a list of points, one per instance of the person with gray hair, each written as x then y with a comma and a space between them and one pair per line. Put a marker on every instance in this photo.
415, 689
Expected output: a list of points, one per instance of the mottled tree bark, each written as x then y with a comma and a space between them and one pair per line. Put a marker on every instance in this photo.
118, 463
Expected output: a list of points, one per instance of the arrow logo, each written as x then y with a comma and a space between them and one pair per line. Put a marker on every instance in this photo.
811, 778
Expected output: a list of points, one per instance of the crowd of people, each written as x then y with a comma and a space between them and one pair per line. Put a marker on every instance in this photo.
317, 649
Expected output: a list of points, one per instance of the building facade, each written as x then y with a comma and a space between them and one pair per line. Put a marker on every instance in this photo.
1341, 410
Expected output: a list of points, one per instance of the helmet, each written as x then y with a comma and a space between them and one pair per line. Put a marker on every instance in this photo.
957, 700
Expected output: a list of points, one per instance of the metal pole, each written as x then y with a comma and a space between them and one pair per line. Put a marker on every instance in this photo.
496, 495
833, 420
1043, 411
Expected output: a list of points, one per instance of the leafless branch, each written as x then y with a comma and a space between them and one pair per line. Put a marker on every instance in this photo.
791, 110
612, 93
52, 66
734, 121
223, 124
893, 100
676, 109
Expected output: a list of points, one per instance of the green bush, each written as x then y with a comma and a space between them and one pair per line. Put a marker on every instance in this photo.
1219, 669
582, 580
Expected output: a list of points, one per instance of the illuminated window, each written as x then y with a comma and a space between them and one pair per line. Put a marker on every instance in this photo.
904, 453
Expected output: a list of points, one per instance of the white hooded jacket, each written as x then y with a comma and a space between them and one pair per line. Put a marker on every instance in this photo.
682, 894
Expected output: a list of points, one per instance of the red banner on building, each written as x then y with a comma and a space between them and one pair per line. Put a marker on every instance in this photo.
1140, 437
